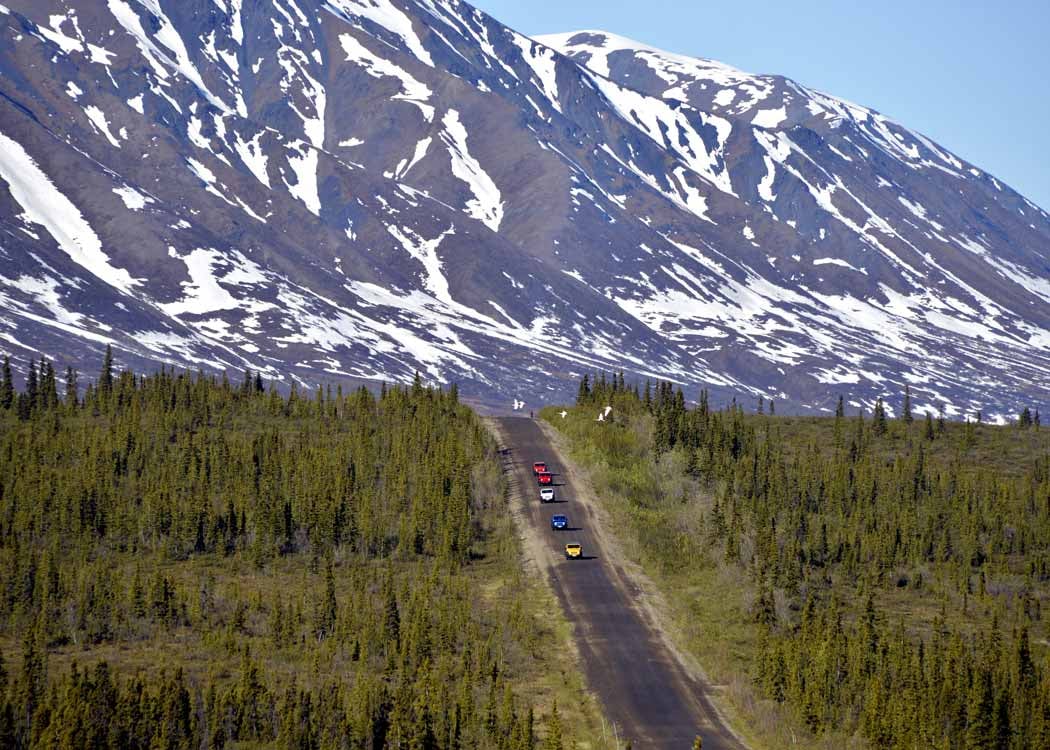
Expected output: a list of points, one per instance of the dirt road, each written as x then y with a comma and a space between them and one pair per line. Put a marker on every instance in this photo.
653, 699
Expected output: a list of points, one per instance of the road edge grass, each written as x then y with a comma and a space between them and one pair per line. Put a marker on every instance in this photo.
656, 606
702, 614
583, 722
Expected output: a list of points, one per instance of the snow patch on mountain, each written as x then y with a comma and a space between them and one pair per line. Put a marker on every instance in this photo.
838, 262
303, 161
46, 291
167, 35
98, 119
411, 89
254, 157
769, 118
385, 14
132, 198
202, 293
544, 63
45, 205
487, 204
405, 165
668, 127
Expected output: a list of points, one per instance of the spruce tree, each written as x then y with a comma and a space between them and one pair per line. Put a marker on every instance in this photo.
879, 418
553, 740
72, 398
7, 386
329, 607
906, 414
392, 616
979, 710
32, 682
32, 393
105, 378
48, 385
583, 396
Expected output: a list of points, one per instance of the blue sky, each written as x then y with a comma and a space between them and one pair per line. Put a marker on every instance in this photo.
974, 76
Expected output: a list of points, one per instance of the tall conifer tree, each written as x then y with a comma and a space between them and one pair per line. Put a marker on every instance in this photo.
7, 386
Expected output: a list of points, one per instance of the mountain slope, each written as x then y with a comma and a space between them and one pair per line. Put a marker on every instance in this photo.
363, 188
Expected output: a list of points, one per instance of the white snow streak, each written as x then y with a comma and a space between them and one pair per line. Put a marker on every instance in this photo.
305, 168
411, 89
838, 262
98, 119
765, 187
384, 13
132, 198
769, 118
45, 205
487, 206
406, 165
202, 293
543, 61
669, 127
425, 251
254, 157
169, 37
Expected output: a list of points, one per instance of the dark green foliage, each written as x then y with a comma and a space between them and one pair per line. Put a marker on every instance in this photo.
553, 740
1028, 419
105, 378
835, 523
318, 549
879, 424
7, 386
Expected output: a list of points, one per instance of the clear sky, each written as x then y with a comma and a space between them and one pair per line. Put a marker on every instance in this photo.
974, 76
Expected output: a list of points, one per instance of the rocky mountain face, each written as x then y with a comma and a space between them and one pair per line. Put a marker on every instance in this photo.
359, 189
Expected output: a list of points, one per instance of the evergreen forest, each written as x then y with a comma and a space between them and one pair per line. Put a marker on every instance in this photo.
190, 562
856, 579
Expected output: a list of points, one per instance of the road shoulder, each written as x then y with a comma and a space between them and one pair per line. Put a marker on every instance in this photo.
649, 602
538, 559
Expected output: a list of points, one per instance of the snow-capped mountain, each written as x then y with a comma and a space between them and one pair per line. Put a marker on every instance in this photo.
326, 189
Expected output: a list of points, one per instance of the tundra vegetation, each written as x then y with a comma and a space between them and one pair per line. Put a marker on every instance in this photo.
193, 563
854, 580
